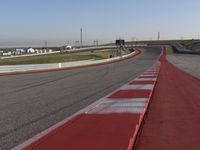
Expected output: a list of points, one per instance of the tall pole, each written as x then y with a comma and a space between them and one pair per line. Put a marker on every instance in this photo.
81, 38
158, 36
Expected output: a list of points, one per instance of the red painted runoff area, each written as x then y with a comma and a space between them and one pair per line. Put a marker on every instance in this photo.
91, 132
131, 94
173, 120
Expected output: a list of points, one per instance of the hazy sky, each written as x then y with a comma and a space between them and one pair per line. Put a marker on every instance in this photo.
31, 22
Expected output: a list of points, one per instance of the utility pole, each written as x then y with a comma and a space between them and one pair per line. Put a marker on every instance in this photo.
158, 36
81, 37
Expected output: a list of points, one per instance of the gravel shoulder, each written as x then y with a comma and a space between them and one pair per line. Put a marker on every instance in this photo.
186, 62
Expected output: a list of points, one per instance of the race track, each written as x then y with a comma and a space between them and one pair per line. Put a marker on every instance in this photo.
31, 103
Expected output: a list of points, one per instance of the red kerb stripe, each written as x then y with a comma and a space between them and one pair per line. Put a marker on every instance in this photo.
131, 94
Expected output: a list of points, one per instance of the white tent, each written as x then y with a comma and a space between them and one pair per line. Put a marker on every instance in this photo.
30, 50
68, 47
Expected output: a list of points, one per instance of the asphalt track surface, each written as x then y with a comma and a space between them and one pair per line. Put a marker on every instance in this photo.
187, 62
31, 103
173, 118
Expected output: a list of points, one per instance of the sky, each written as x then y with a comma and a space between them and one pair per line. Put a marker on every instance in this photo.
31, 22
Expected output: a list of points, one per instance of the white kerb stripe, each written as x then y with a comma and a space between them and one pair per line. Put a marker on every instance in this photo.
145, 79
108, 101
120, 106
137, 86
152, 74
120, 110
125, 100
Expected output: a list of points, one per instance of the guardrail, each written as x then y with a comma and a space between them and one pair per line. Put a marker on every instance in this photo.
90, 49
178, 48
99, 48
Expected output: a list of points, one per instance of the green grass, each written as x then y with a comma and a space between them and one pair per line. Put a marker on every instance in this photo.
169, 50
56, 58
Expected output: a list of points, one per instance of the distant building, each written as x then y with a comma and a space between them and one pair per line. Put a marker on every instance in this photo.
7, 54
24, 51
21, 51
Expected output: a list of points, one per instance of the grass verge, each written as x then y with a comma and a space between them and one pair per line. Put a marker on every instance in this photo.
169, 50
57, 58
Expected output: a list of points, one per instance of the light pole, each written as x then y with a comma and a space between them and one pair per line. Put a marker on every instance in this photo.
158, 36
81, 37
